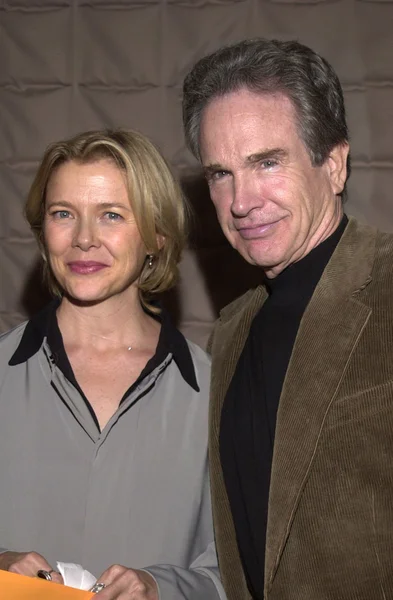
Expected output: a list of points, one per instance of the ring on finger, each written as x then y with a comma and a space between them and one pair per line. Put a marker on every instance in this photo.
42, 574
97, 587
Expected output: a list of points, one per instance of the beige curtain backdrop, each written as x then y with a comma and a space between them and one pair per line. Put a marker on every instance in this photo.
72, 65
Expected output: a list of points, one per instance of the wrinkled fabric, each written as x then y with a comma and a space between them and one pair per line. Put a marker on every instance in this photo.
135, 493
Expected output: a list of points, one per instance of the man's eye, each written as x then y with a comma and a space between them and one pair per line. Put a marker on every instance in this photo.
269, 163
218, 175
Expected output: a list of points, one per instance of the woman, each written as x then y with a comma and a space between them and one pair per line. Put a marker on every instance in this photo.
103, 403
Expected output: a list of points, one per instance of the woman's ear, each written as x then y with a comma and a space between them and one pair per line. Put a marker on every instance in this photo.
42, 251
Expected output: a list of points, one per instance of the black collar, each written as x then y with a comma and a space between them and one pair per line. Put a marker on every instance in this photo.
44, 325
297, 282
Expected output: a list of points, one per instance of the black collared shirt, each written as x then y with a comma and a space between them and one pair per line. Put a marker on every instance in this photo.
249, 413
45, 325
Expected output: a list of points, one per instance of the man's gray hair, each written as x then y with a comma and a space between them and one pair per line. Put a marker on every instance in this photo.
272, 66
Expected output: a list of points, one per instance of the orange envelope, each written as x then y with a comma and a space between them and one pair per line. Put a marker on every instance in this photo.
19, 587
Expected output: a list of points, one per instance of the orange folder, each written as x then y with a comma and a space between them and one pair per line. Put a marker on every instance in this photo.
19, 587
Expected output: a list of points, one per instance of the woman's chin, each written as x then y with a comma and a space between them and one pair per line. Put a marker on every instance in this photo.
90, 297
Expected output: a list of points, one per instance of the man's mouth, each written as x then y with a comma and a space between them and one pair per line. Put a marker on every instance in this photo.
256, 231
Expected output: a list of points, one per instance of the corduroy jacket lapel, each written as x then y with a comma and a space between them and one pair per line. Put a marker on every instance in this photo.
226, 345
329, 331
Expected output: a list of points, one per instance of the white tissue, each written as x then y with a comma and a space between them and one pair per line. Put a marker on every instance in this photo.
76, 576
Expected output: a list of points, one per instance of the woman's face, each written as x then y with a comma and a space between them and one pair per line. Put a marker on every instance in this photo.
92, 242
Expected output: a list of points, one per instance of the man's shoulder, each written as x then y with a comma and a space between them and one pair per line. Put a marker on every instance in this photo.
241, 303
235, 318
383, 248
364, 253
384, 242
382, 271
360, 230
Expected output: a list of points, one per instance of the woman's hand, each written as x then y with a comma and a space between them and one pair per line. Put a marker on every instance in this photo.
127, 584
27, 563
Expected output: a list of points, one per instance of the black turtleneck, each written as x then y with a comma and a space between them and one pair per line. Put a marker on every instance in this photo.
249, 413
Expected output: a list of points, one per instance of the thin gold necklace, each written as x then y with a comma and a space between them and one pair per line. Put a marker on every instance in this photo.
104, 338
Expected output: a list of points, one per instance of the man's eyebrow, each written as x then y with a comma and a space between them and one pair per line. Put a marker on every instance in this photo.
251, 159
213, 168
266, 154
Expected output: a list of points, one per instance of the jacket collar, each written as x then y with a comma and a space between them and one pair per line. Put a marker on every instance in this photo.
226, 344
44, 325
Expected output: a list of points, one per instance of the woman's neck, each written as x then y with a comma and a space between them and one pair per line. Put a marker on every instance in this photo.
114, 322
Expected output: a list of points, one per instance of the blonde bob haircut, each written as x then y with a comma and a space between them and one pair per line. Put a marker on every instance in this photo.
155, 198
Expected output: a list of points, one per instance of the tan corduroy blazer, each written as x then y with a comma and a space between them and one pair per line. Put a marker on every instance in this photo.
330, 520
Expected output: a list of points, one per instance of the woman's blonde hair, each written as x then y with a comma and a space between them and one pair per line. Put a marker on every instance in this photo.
155, 197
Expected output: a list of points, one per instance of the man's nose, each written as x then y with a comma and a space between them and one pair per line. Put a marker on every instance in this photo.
246, 197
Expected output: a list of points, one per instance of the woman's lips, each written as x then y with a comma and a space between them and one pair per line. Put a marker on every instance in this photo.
85, 267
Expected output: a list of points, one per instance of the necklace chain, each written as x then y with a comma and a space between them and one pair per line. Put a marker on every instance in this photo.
106, 338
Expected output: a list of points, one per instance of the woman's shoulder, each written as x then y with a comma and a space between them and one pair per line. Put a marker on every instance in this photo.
198, 355
13, 336
9, 342
202, 366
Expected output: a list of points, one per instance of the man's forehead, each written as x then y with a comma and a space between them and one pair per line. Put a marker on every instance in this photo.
246, 123
243, 113
244, 98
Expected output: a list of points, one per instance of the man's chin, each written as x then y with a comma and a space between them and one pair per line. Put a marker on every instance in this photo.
271, 266
258, 256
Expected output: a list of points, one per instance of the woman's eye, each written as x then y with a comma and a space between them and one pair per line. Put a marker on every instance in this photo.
112, 216
61, 214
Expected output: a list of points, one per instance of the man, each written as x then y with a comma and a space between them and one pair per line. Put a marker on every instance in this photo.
301, 438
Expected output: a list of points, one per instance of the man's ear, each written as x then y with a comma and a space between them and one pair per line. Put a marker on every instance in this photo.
337, 167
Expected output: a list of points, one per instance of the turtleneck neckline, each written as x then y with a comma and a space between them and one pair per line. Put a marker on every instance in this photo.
304, 274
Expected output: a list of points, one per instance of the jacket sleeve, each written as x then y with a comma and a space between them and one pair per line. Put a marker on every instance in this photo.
201, 581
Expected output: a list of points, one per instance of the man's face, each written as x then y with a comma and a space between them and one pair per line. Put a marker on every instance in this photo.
272, 204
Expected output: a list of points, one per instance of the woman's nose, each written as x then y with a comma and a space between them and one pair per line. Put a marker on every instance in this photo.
86, 235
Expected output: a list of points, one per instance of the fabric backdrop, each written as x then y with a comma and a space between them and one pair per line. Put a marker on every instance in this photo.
72, 65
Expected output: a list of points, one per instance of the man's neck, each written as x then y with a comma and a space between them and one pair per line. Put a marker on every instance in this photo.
323, 230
